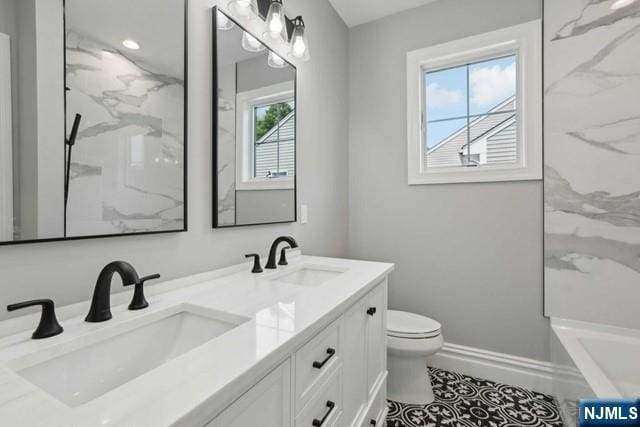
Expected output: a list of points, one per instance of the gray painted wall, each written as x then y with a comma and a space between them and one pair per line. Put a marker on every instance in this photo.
258, 206
255, 73
67, 271
468, 255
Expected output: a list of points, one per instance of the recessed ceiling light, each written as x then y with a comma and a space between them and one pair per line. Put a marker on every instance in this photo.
130, 44
619, 4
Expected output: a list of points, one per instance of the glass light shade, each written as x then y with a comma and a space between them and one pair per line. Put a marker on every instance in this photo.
299, 47
251, 44
223, 22
276, 23
247, 9
276, 61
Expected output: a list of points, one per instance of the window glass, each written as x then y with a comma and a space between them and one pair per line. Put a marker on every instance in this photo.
491, 83
446, 93
471, 114
443, 138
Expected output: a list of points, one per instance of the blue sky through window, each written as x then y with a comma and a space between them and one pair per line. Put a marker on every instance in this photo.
454, 94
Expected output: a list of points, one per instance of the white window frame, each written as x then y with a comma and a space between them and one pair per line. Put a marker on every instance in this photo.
525, 41
246, 102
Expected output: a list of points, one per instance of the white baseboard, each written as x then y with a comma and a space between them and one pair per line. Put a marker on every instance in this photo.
499, 367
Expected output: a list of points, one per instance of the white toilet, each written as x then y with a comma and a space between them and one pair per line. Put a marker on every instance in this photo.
411, 338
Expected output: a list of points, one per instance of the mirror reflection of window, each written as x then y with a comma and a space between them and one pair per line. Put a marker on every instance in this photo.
265, 123
274, 140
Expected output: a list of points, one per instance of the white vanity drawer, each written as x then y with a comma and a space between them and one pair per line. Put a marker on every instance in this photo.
325, 407
267, 404
378, 408
314, 362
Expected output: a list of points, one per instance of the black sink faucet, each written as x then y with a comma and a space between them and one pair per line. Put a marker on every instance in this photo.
271, 263
100, 310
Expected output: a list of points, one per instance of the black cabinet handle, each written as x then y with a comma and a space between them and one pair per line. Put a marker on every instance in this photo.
371, 311
48, 326
316, 422
373, 423
330, 353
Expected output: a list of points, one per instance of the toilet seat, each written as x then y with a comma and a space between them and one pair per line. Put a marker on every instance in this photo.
401, 324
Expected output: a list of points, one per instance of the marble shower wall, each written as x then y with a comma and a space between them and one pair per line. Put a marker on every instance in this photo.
127, 166
227, 145
592, 161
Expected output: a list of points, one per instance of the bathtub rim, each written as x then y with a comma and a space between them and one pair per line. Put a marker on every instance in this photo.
569, 333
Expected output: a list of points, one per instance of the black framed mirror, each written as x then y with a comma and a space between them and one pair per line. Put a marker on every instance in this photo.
95, 145
254, 132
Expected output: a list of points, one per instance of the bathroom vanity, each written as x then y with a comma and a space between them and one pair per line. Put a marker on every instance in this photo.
303, 345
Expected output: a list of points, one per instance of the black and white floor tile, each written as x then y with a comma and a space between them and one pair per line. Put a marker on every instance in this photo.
464, 401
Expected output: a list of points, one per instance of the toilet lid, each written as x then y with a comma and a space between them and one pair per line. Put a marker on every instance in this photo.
410, 325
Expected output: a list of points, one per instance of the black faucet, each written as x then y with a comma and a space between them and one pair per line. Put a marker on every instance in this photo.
271, 263
100, 310
48, 326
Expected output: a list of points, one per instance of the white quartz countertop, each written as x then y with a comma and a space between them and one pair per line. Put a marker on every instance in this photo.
191, 388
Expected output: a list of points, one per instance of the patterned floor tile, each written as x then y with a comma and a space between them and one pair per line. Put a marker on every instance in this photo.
465, 401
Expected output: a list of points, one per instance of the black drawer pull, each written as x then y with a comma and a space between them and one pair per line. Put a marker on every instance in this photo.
316, 422
373, 423
330, 353
371, 311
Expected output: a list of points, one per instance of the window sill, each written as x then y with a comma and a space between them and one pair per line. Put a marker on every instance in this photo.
266, 184
475, 175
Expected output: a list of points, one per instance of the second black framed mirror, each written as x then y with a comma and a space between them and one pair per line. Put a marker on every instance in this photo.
254, 129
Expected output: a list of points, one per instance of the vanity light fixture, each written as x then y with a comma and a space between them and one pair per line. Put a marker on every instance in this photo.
248, 9
251, 44
276, 23
276, 61
223, 23
130, 44
299, 42
619, 4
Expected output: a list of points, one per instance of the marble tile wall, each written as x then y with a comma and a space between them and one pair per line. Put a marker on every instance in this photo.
127, 166
227, 145
592, 161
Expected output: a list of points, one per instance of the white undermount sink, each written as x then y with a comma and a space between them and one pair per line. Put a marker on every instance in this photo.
86, 373
309, 275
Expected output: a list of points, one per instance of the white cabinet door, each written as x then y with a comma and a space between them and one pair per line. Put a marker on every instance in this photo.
376, 337
267, 404
354, 360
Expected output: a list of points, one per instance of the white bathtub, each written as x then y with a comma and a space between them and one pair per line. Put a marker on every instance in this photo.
608, 357
591, 360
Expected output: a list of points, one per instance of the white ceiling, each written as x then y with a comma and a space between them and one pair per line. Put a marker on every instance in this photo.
158, 26
356, 12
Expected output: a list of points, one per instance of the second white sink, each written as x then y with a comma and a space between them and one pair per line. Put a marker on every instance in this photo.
309, 275
83, 374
